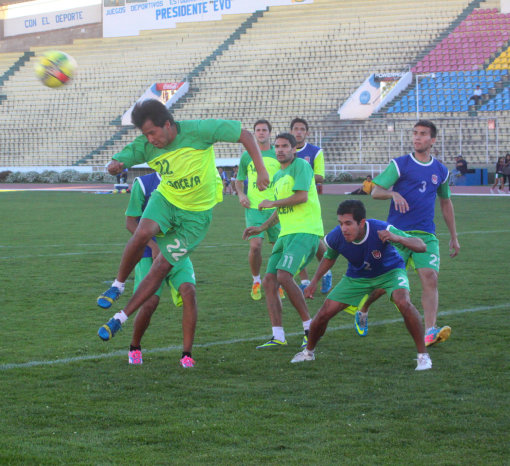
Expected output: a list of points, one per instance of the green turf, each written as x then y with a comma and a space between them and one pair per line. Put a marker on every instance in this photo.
69, 398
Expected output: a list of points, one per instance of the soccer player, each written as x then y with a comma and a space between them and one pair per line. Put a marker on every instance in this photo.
315, 157
181, 280
299, 212
179, 211
373, 264
253, 197
417, 179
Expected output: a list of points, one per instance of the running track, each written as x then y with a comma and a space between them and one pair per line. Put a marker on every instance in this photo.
328, 188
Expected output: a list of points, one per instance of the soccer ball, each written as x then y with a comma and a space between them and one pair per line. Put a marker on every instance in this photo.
55, 68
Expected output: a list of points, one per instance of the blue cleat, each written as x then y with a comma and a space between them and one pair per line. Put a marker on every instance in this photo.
361, 323
108, 330
327, 282
305, 340
109, 297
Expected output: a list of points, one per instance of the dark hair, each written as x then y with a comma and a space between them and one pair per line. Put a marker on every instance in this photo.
263, 122
153, 110
289, 138
354, 207
427, 124
298, 120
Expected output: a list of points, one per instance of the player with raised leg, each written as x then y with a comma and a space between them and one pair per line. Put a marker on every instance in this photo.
179, 212
180, 280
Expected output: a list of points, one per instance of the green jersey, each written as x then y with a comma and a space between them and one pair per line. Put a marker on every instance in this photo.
247, 171
300, 218
189, 179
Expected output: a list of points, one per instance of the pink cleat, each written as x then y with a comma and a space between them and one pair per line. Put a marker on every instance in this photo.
186, 361
135, 357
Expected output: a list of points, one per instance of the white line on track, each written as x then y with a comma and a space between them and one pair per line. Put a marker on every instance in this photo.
5, 367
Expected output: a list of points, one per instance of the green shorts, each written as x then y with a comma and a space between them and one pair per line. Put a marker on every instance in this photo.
181, 273
293, 252
181, 230
352, 290
421, 260
255, 218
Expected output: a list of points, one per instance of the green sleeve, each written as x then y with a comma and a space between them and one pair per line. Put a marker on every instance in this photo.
388, 177
136, 200
444, 190
242, 173
220, 130
398, 232
318, 164
134, 153
331, 254
303, 175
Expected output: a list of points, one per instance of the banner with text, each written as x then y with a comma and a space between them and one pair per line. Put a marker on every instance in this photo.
129, 17
52, 20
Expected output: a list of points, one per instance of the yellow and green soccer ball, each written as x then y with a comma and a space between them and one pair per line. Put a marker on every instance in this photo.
55, 68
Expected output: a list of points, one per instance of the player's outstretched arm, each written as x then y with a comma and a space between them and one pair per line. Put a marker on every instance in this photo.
449, 218
410, 242
250, 144
324, 265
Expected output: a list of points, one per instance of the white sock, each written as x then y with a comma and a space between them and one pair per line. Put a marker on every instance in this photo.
306, 325
279, 333
256, 279
119, 285
305, 282
121, 317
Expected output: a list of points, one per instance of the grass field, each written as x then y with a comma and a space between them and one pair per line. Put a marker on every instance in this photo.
69, 398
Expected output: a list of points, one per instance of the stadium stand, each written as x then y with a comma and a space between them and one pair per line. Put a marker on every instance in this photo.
279, 63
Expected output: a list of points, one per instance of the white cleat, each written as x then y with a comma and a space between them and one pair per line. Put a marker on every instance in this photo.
424, 362
304, 355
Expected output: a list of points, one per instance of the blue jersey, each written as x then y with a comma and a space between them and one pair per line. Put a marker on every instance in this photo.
418, 184
309, 152
370, 257
148, 184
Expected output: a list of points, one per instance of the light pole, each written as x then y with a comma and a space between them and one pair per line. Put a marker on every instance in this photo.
424, 75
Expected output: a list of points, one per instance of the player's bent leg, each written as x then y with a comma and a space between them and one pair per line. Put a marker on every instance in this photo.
143, 319
133, 251
320, 322
412, 318
274, 304
294, 294
317, 329
149, 285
